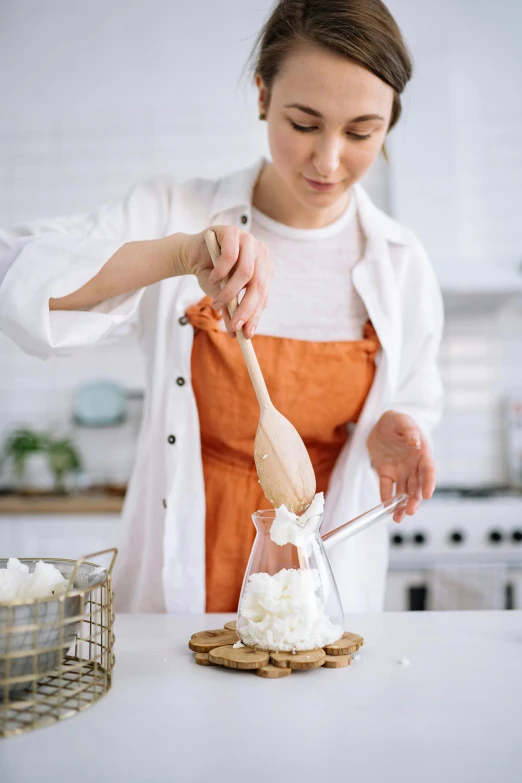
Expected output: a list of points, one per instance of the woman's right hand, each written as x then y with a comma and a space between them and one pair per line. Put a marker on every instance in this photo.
246, 259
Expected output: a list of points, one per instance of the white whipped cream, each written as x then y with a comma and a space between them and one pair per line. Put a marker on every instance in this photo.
283, 612
288, 528
16, 582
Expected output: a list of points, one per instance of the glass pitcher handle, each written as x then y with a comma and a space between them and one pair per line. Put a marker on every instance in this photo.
350, 529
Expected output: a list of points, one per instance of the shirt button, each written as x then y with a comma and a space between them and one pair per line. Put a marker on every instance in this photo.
164, 502
180, 381
244, 219
183, 320
171, 439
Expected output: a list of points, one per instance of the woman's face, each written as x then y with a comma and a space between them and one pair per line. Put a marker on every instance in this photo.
327, 120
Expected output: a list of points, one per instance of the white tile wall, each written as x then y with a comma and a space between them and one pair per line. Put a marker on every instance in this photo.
84, 160
457, 156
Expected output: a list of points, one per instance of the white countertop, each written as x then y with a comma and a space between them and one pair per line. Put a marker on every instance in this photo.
453, 715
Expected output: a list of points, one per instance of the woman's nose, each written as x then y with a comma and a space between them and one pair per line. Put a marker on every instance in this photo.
327, 157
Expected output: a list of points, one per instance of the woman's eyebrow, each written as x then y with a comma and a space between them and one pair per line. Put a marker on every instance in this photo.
315, 113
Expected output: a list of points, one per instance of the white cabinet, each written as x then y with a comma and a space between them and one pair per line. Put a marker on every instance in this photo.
456, 157
52, 535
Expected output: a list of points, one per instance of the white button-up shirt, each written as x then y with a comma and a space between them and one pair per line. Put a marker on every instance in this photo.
162, 562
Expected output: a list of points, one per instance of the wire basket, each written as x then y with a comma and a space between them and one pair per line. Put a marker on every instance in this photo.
56, 654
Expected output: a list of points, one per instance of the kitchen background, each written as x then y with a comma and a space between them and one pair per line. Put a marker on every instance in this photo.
96, 96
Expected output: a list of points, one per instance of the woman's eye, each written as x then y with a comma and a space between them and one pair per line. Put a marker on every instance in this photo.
310, 128
302, 128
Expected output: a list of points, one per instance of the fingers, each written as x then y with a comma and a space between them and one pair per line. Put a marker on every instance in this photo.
229, 241
255, 299
427, 476
400, 451
249, 270
401, 485
399, 515
412, 484
243, 271
419, 485
386, 487
414, 494
401, 488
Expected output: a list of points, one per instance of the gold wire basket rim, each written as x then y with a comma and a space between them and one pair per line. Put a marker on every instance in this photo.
68, 593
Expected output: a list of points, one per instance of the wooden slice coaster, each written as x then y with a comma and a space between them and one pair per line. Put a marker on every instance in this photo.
337, 661
216, 647
301, 660
239, 657
202, 659
271, 672
205, 641
348, 643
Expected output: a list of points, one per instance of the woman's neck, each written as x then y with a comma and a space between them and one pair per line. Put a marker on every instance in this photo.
272, 197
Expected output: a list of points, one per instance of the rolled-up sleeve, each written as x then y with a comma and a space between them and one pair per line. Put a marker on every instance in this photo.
53, 258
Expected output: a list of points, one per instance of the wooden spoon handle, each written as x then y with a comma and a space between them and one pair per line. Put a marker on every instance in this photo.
247, 348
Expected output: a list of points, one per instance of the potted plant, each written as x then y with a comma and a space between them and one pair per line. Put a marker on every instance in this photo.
56, 455
63, 459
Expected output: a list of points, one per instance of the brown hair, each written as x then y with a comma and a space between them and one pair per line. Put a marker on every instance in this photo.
363, 31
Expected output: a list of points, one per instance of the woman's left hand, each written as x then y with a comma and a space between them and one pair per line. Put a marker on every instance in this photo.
402, 457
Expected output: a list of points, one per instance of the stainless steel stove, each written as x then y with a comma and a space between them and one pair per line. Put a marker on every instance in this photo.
469, 527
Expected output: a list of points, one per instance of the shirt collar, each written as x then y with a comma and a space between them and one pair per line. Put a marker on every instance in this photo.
376, 222
234, 192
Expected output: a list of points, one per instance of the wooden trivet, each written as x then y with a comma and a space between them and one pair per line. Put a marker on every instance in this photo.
202, 659
205, 641
348, 643
271, 672
299, 660
336, 661
238, 657
217, 648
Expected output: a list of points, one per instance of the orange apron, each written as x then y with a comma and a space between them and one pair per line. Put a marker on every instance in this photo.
318, 386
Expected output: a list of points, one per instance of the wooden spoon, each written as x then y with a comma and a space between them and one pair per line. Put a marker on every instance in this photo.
283, 464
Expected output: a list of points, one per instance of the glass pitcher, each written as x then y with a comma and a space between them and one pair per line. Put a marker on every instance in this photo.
289, 600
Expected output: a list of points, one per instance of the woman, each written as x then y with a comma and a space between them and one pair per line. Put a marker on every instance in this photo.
347, 342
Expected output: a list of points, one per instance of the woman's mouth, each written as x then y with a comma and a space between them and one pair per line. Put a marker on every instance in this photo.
323, 187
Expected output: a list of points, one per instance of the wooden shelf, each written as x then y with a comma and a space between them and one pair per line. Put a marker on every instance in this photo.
54, 504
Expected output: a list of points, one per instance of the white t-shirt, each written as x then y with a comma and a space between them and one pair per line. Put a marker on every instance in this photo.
312, 296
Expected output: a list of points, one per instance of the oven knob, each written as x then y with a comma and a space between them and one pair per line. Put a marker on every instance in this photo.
419, 539
516, 536
457, 537
398, 539
495, 537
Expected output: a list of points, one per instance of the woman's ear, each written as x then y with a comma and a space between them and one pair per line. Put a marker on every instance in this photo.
262, 97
